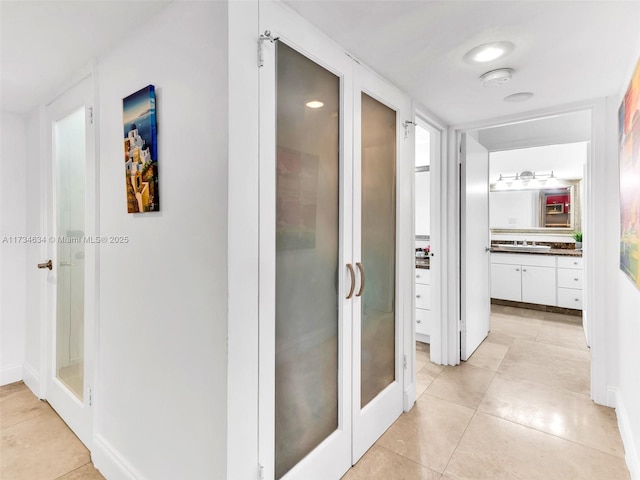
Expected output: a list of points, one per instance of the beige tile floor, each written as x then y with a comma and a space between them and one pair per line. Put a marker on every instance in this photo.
35, 443
518, 409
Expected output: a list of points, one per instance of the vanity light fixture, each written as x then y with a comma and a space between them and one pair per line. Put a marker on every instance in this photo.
315, 104
525, 179
487, 52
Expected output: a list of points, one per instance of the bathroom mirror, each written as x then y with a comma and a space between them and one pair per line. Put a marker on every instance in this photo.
551, 209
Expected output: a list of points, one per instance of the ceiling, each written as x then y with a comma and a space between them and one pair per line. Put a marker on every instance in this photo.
565, 51
42, 43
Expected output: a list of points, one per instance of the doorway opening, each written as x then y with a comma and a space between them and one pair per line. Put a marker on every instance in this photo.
535, 179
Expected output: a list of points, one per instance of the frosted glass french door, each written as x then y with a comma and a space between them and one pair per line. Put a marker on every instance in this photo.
330, 315
305, 231
380, 251
70, 300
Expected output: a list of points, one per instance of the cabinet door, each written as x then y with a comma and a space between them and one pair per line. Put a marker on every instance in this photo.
423, 321
539, 285
505, 282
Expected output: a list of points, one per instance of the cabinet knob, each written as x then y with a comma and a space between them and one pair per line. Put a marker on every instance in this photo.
517, 269
577, 299
418, 296
417, 276
418, 321
576, 279
524, 269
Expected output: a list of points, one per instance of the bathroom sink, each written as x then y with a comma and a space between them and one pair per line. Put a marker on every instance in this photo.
525, 248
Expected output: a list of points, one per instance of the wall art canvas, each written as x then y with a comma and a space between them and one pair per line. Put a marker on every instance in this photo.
629, 148
141, 151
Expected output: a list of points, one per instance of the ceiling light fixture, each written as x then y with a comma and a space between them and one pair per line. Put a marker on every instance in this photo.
495, 78
315, 104
488, 52
519, 97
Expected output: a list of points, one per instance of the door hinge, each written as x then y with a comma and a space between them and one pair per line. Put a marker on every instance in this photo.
406, 125
266, 36
90, 396
260, 472
90, 112
404, 362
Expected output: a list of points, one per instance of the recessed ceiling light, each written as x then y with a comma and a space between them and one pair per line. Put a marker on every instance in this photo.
495, 78
315, 104
518, 97
488, 52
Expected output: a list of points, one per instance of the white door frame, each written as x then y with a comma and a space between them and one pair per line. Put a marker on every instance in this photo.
68, 406
597, 273
438, 164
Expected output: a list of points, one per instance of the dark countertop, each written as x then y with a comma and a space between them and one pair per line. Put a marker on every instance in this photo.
562, 252
423, 263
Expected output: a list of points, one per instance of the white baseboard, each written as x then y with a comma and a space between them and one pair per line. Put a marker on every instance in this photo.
31, 378
10, 374
632, 455
110, 463
409, 397
612, 397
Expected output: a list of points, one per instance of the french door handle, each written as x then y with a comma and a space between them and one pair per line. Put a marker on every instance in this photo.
361, 268
352, 274
48, 265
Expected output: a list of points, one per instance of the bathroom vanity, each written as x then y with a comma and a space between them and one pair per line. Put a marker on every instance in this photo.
550, 277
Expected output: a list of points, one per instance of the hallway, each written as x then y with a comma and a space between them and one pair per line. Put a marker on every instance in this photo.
519, 408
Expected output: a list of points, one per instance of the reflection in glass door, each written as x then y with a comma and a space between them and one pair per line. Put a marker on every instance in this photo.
70, 173
307, 256
378, 267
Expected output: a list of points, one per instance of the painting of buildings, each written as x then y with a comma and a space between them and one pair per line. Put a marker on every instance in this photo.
629, 147
141, 151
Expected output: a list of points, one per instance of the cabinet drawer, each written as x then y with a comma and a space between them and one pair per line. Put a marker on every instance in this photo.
570, 262
423, 296
423, 321
524, 259
570, 298
423, 276
568, 278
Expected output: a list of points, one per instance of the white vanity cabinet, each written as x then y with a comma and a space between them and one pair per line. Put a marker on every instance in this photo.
570, 282
540, 279
523, 278
423, 304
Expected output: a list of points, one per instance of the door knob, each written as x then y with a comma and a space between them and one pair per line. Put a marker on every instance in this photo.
48, 265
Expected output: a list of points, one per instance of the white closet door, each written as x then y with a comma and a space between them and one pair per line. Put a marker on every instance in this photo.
382, 208
305, 217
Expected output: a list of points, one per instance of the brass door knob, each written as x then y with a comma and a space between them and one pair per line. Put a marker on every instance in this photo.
48, 265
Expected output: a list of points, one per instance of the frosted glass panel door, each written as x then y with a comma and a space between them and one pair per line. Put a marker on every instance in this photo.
71, 292
378, 225
307, 254
382, 183
69, 161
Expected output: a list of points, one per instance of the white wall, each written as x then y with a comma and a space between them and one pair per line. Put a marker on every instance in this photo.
161, 392
13, 194
566, 161
626, 333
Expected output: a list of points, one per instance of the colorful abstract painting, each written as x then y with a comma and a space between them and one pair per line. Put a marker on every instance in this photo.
141, 151
629, 138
